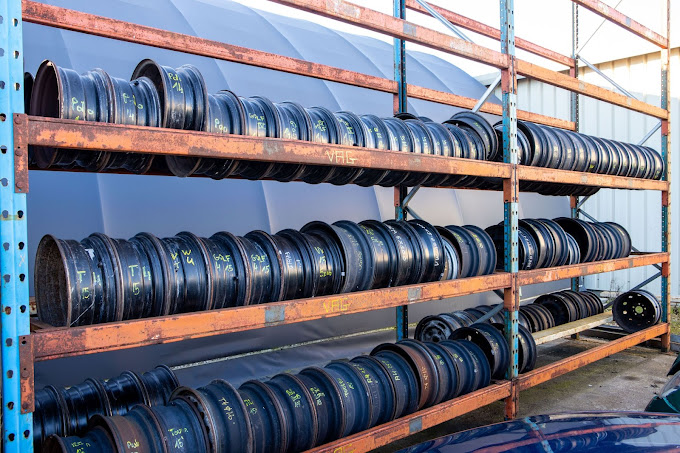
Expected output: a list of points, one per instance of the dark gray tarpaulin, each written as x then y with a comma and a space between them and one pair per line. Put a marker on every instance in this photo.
74, 205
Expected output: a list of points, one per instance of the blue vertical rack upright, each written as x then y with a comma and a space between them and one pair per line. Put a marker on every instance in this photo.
666, 195
400, 106
17, 428
510, 186
510, 195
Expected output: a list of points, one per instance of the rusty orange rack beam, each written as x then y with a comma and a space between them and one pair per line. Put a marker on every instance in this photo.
383, 435
370, 19
48, 343
68, 19
620, 19
539, 174
555, 369
53, 343
491, 32
60, 133
411, 424
596, 6
552, 274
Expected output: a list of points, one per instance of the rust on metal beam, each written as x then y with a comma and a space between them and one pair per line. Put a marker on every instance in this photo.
560, 80
620, 19
64, 342
491, 32
85, 135
526, 173
552, 274
373, 20
512, 402
27, 374
405, 426
20, 153
68, 19
545, 373
382, 23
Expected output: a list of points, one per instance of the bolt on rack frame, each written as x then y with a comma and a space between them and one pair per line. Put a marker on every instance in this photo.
22, 348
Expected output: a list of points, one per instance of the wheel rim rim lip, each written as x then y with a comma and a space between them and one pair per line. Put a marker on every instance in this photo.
434, 377
434, 245
336, 430
483, 377
409, 400
466, 372
632, 300
449, 387
206, 401
390, 407
362, 397
279, 384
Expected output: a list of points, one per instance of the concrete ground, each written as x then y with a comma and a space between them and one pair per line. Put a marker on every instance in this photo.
624, 381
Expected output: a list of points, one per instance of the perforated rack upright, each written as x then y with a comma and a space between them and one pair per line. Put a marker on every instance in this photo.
20, 349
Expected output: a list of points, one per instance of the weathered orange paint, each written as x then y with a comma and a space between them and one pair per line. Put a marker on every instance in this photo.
566, 82
20, 154
70, 341
383, 23
527, 173
68, 19
577, 270
398, 28
618, 18
403, 427
85, 135
545, 373
491, 32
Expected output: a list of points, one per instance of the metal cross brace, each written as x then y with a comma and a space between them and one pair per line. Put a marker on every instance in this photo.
487, 93
461, 35
413, 213
606, 77
443, 20
407, 199
582, 201
649, 134
490, 314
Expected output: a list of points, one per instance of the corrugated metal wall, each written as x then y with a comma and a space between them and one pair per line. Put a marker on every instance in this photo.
638, 211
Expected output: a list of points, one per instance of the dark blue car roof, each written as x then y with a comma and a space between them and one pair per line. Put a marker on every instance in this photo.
582, 432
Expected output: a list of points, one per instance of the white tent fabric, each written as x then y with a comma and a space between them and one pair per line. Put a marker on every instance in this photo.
74, 205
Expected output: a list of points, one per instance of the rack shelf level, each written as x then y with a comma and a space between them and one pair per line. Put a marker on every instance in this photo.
403, 427
58, 133
545, 373
53, 343
552, 274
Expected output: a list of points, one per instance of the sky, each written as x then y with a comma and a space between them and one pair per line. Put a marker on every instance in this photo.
544, 22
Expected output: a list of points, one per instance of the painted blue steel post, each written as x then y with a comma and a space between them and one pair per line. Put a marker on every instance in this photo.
400, 61
17, 428
510, 194
666, 195
575, 282
400, 105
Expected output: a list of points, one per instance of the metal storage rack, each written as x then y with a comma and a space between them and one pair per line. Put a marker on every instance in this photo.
23, 344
